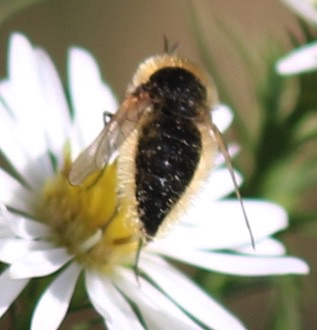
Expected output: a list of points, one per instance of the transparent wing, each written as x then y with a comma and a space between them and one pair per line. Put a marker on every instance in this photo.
109, 140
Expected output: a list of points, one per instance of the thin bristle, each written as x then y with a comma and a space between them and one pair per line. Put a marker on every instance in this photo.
168, 48
222, 146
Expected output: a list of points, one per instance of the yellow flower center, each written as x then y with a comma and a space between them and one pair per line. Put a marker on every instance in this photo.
87, 220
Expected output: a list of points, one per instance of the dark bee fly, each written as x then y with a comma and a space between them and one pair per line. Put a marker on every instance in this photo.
165, 140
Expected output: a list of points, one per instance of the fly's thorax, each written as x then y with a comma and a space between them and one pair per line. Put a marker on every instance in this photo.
177, 92
152, 67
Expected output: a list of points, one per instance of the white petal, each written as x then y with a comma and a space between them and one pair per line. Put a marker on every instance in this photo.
158, 311
265, 247
13, 193
222, 117
19, 149
11, 249
57, 123
23, 95
10, 289
9, 143
110, 303
90, 97
304, 9
25, 149
5, 230
25, 84
185, 293
240, 265
219, 185
29, 229
300, 60
233, 150
53, 305
221, 225
39, 263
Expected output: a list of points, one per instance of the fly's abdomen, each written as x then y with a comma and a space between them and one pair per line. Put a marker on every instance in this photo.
167, 156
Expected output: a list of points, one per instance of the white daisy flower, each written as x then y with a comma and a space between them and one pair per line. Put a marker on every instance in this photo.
303, 59
307, 9
48, 227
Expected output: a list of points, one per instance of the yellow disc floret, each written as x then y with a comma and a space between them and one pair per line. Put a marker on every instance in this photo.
88, 220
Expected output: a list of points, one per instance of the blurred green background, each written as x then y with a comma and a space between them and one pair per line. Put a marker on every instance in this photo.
122, 33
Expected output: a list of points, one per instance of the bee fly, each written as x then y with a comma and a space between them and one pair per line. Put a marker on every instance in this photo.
165, 140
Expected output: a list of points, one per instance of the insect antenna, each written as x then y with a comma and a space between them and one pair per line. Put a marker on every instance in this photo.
168, 48
223, 148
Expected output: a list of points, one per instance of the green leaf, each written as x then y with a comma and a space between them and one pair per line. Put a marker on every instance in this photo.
288, 307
